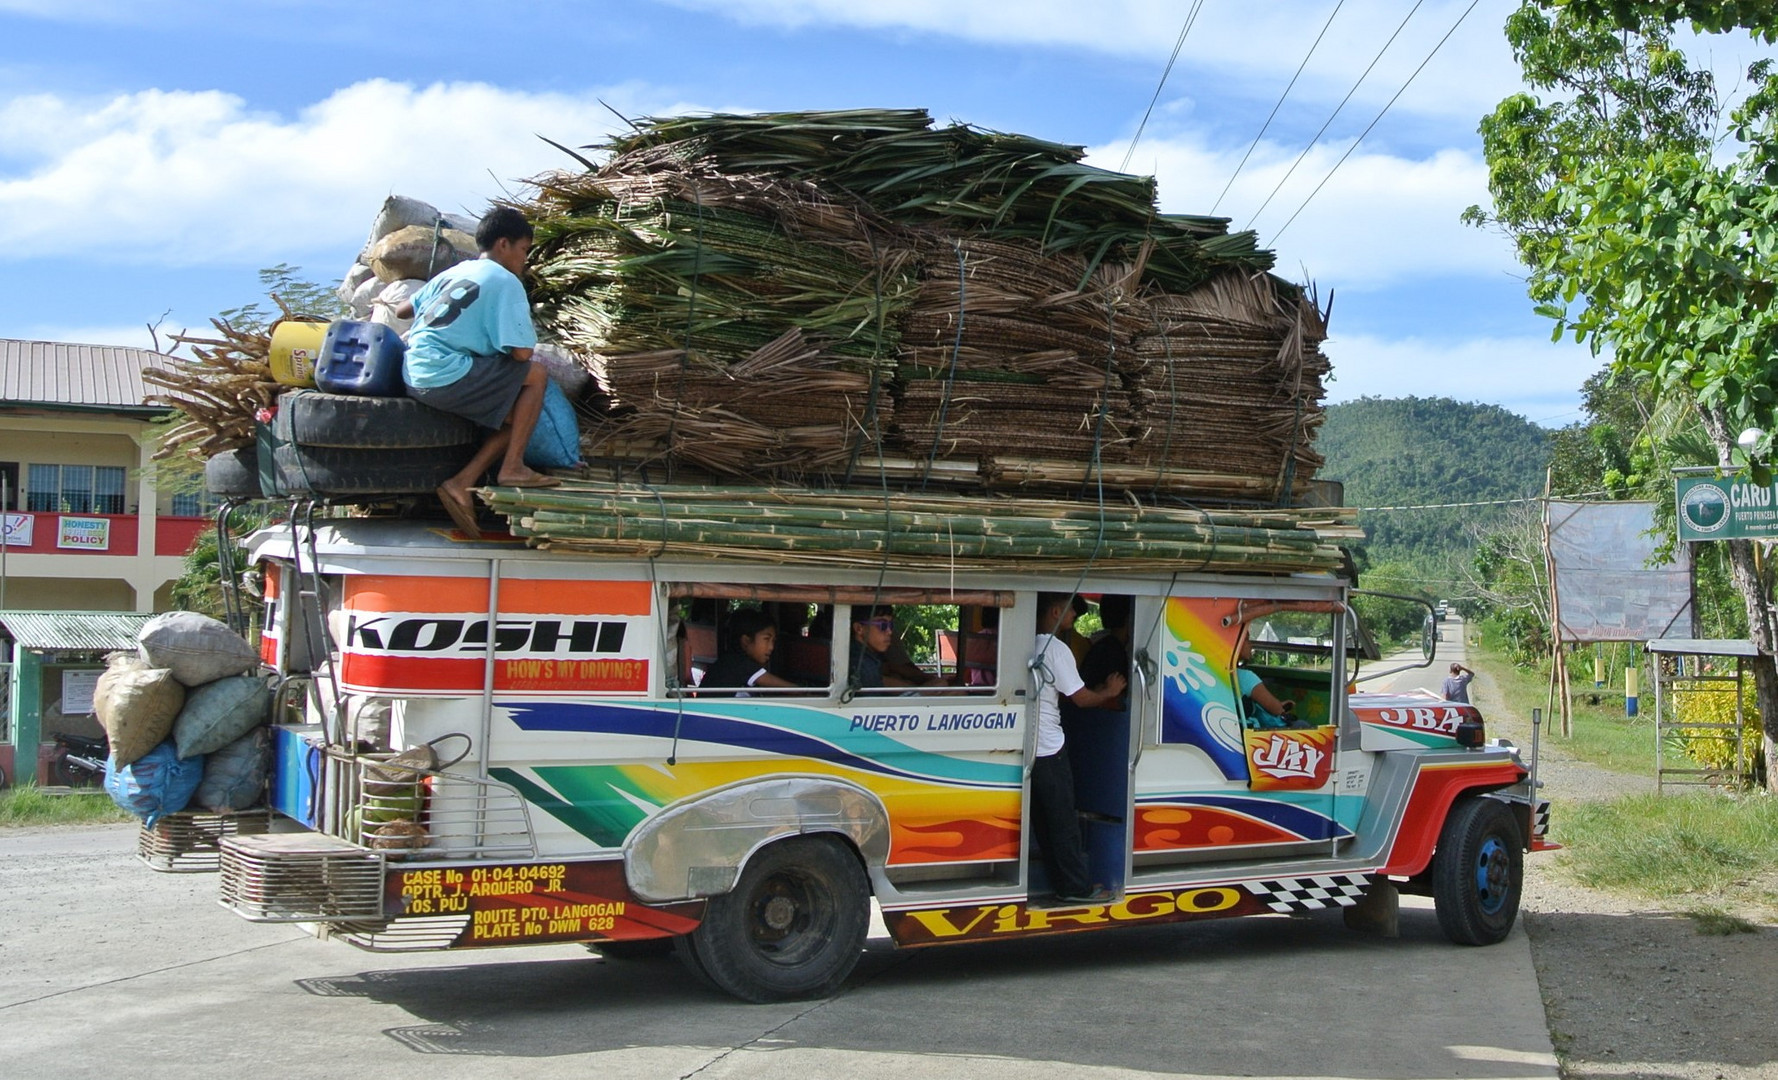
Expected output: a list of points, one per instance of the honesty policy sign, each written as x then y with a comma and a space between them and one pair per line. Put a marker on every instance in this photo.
1727, 509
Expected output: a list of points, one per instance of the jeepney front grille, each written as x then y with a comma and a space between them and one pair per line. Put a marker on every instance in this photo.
300, 877
191, 843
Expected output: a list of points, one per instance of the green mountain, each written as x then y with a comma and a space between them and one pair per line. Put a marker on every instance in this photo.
1418, 451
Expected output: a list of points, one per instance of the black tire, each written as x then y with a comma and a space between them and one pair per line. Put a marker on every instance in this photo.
348, 421
233, 474
640, 949
330, 470
794, 925
1478, 871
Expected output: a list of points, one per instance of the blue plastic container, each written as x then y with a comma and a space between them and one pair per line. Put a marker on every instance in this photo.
361, 358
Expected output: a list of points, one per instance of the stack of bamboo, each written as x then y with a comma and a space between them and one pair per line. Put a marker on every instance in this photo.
911, 532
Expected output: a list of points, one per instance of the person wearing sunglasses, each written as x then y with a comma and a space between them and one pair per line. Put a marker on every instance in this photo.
873, 642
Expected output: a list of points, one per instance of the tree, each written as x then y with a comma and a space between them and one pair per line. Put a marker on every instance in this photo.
1647, 233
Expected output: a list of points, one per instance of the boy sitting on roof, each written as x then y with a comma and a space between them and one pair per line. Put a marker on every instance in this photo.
469, 353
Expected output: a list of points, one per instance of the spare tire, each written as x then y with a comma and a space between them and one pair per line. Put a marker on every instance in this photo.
331, 470
233, 473
349, 421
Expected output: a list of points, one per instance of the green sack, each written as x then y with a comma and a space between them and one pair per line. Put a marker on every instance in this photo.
220, 712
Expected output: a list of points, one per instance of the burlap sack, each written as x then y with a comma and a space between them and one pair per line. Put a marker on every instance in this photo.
137, 704
197, 648
414, 253
220, 712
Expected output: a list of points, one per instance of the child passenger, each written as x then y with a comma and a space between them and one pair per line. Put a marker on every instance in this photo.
752, 635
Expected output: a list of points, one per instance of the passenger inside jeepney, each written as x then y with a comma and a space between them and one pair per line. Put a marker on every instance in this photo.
1261, 708
873, 659
1109, 650
752, 636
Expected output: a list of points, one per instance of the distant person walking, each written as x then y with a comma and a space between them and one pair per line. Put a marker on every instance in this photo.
1457, 684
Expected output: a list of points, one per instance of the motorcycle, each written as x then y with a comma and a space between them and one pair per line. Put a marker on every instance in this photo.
79, 761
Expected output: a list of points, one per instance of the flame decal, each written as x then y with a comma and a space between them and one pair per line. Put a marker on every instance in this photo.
957, 840
1171, 827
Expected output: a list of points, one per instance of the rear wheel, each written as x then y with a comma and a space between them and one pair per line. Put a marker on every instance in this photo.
793, 926
1478, 871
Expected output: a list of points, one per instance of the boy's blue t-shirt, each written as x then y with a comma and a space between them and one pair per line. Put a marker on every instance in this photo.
476, 308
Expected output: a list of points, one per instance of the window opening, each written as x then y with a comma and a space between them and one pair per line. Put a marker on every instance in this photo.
937, 648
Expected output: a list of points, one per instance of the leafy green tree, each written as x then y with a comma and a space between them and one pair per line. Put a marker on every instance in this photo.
1425, 452
1644, 237
284, 285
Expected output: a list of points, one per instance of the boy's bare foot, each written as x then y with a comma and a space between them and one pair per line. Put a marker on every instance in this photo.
462, 510
530, 478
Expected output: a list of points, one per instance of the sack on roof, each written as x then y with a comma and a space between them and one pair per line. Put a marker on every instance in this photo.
419, 251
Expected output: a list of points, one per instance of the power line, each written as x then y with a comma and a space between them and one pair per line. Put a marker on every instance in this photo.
1486, 502
1378, 117
1336, 112
1190, 18
1263, 127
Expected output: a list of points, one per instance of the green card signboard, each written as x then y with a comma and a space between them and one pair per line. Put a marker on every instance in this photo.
1727, 509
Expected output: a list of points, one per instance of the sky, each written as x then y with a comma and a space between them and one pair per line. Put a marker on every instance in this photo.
155, 155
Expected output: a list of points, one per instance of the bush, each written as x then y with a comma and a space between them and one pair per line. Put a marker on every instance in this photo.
1716, 749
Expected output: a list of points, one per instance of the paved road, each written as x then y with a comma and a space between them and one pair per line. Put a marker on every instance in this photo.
107, 968
1451, 650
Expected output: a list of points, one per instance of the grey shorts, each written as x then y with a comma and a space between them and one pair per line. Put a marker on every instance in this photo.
485, 393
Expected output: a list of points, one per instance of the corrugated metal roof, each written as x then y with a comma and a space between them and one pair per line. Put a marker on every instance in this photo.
1703, 646
61, 373
82, 630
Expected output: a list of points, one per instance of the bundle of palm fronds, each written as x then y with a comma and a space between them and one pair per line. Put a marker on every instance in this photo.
1231, 379
780, 295
219, 392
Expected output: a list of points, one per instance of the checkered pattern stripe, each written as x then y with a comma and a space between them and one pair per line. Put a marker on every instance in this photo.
1541, 827
1309, 893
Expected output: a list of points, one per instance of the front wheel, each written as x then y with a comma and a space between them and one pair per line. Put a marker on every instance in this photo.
793, 926
1478, 871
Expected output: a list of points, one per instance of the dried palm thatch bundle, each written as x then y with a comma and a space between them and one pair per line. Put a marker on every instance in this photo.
1232, 380
219, 391
782, 295
1003, 341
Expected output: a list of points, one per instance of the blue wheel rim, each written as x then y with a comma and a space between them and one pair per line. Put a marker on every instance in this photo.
1493, 876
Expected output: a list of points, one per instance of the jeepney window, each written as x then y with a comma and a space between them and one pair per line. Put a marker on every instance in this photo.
747, 648
931, 647
1292, 656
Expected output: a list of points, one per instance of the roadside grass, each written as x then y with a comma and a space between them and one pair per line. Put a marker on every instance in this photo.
1603, 735
1707, 853
33, 806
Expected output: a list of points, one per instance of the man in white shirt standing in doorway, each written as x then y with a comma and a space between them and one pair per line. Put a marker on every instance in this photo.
1053, 816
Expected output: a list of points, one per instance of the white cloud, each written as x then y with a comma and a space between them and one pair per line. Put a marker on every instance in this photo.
1381, 218
1532, 376
200, 178
1255, 44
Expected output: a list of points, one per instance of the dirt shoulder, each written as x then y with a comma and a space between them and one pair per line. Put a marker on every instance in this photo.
1630, 988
